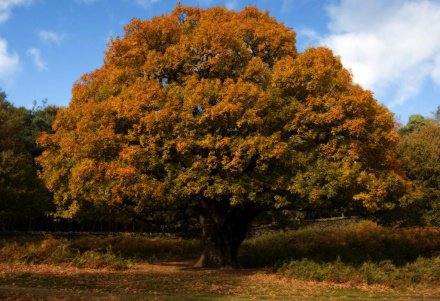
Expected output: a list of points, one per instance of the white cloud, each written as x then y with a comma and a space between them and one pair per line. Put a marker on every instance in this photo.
7, 5
388, 43
145, 3
50, 37
37, 58
9, 63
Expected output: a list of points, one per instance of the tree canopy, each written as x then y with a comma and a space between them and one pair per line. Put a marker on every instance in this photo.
420, 151
414, 122
216, 111
22, 194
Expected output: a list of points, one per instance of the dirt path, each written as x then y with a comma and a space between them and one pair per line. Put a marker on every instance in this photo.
177, 281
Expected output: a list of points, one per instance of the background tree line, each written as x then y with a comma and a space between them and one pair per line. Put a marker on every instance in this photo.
23, 196
420, 155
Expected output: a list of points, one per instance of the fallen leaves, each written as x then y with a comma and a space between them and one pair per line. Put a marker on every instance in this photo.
168, 280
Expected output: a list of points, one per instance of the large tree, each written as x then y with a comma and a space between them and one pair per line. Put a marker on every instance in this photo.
215, 111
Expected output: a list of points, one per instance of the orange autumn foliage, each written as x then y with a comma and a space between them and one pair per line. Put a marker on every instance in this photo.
219, 106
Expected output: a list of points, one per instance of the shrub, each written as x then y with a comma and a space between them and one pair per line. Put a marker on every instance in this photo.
354, 243
309, 270
113, 251
141, 247
59, 251
94, 260
47, 250
422, 271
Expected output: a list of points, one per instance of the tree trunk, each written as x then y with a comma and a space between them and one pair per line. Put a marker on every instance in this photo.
222, 235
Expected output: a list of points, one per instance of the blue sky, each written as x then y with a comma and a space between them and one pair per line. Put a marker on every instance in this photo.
392, 47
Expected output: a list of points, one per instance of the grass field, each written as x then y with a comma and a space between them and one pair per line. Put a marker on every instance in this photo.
178, 281
362, 261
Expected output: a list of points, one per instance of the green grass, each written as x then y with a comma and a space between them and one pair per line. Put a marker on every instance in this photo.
422, 271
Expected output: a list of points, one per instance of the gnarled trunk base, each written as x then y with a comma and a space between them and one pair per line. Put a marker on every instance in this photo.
222, 237
220, 249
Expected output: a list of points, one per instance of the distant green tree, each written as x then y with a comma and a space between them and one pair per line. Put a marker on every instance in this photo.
437, 114
22, 194
420, 150
414, 122
40, 120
